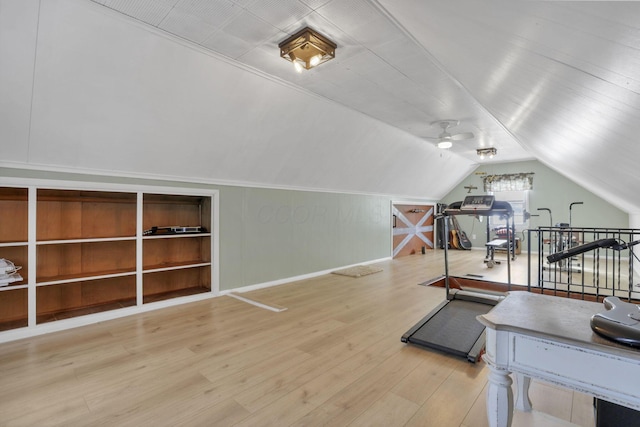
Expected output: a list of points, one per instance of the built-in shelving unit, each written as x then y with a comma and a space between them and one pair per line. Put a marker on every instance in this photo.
176, 263
14, 236
85, 251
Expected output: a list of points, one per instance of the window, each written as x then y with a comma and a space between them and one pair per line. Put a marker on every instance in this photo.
512, 188
509, 182
519, 201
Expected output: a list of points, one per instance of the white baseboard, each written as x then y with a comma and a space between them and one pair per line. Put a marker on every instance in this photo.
296, 278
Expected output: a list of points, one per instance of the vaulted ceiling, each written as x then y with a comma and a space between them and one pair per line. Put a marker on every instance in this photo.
554, 81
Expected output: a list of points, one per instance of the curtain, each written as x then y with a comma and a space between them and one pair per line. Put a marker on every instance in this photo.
509, 182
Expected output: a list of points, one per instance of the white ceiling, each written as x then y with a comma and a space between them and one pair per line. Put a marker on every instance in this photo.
128, 88
557, 81
380, 69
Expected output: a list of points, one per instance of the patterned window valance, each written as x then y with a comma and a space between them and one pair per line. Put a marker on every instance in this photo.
509, 182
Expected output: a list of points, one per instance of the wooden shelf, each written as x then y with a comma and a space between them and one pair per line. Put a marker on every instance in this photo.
71, 214
70, 278
160, 210
161, 282
90, 240
13, 307
10, 243
75, 296
84, 311
175, 266
16, 285
84, 259
174, 294
7, 325
175, 236
175, 251
14, 205
89, 254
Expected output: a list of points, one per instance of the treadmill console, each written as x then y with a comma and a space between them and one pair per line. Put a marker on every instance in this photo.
477, 203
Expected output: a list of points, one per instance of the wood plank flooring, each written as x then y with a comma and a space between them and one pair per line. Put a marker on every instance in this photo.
333, 358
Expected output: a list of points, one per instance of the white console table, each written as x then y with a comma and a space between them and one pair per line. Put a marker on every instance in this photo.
550, 338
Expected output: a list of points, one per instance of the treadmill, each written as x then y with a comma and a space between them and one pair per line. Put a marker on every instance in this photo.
452, 326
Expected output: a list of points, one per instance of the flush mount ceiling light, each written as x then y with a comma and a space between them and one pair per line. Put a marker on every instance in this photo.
487, 152
307, 49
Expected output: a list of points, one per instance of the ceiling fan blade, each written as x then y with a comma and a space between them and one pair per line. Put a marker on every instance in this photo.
431, 138
461, 136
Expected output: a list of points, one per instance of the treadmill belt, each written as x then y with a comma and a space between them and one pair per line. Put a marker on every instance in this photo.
454, 328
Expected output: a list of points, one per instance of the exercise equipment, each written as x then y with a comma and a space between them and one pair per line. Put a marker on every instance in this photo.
491, 251
562, 239
452, 326
505, 236
620, 321
550, 216
571, 207
577, 250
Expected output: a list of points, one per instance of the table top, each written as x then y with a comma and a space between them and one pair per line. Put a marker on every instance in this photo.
563, 319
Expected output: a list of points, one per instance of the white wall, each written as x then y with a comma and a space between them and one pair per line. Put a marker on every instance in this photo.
86, 89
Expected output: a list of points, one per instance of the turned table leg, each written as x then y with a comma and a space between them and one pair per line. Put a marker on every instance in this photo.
499, 398
523, 403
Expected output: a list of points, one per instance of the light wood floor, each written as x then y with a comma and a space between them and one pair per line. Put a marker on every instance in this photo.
334, 358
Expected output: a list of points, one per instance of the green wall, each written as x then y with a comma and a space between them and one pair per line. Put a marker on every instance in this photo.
550, 190
269, 234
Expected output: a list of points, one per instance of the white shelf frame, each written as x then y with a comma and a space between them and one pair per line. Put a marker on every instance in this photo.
85, 278
177, 267
92, 240
33, 185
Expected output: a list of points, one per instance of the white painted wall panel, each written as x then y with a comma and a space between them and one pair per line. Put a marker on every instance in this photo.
114, 96
18, 30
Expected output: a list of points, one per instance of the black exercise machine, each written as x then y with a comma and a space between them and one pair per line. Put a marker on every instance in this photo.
452, 326
504, 236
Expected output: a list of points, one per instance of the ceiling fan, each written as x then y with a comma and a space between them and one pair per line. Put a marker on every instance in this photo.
445, 139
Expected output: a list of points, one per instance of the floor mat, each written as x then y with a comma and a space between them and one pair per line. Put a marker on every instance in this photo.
358, 271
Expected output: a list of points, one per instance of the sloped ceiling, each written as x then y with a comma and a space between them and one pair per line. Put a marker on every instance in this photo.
562, 77
556, 81
92, 90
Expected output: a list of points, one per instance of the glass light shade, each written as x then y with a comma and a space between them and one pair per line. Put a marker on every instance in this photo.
315, 60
